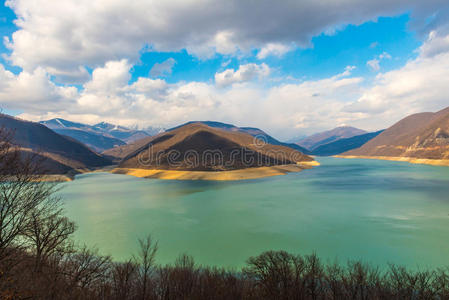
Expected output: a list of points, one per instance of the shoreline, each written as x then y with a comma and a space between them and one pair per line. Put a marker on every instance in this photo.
71, 175
412, 160
241, 174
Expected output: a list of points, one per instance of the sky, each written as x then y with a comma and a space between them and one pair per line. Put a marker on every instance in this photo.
290, 68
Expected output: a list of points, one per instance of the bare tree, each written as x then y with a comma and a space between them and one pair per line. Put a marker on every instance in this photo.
21, 192
146, 260
48, 233
86, 269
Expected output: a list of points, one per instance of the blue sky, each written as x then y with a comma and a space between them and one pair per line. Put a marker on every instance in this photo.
7, 27
324, 70
327, 54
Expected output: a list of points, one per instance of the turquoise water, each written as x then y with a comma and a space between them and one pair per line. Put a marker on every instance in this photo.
376, 211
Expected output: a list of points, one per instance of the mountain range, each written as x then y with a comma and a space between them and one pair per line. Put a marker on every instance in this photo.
314, 141
118, 141
101, 136
419, 136
61, 154
344, 144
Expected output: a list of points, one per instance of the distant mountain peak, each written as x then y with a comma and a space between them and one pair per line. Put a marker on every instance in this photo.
101, 136
325, 137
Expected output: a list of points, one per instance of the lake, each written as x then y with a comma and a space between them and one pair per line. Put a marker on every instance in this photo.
376, 211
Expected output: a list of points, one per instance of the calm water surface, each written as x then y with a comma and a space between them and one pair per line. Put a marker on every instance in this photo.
377, 211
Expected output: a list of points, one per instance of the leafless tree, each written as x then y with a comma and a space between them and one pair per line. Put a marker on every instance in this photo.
86, 269
48, 233
21, 192
146, 260
124, 279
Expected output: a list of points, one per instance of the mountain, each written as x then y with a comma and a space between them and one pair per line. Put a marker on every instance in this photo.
343, 145
199, 147
61, 153
118, 153
422, 135
249, 130
125, 134
99, 137
329, 136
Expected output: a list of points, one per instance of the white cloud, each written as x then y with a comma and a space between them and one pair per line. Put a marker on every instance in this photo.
33, 91
421, 85
374, 64
436, 43
281, 109
347, 72
108, 96
244, 73
163, 69
273, 49
385, 55
65, 36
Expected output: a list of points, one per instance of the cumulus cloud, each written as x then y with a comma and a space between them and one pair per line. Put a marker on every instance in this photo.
163, 69
436, 43
273, 49
108, 96
33, 91
421, 85
65, 36
282, 109
244, 73
374, 64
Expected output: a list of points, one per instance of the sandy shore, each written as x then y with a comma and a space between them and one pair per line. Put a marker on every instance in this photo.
413, 160
71, 175
250, 173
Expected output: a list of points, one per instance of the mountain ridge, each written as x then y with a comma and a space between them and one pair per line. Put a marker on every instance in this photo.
69, 153
325, 137
420, 136
255, 132
99, 137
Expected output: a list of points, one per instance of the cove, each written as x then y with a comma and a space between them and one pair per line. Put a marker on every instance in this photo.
377, 211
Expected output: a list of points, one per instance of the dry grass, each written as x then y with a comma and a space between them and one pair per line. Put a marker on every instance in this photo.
413, 160
242, 174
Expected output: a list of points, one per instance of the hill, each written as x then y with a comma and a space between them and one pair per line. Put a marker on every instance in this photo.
329, 136
419, 136
343, 145
118, 153
61, 153
249, 130
95, 141
198, 147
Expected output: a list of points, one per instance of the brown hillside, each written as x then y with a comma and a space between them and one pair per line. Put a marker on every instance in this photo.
198, 147
120, 152
62, 153
423, 135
